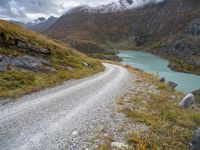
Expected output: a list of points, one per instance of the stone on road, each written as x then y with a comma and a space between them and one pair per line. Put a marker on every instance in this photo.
61, 117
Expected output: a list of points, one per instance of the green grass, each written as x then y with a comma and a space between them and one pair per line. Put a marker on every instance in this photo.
14, 83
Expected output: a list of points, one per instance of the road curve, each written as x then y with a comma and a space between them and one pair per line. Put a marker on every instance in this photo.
61, 117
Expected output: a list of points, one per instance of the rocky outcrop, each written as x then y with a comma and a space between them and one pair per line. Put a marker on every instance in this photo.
187, 101
22, 45
25, 63
31, 47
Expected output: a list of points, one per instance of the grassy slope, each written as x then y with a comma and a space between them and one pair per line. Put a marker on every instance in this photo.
170, 127
14, 83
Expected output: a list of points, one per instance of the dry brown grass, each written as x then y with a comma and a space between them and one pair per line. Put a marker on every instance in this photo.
170, 127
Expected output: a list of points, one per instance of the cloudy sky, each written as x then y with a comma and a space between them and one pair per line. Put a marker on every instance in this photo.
28, 10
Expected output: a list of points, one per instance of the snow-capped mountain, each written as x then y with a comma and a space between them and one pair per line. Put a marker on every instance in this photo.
39, 20
121, 5
43, 25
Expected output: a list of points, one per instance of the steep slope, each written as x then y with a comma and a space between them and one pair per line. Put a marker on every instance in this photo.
156, 27
30, 61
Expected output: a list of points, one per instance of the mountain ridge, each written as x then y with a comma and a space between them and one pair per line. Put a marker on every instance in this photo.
157, 28
121, 5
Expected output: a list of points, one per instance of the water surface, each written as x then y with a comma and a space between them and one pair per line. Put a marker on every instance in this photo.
156, 65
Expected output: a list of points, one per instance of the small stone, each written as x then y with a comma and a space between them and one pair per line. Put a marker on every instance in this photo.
162, 80
119, 145
187, 101
84, 63
75, 133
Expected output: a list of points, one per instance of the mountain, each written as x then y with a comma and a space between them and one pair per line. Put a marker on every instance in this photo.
39, 25
30, 61
43, 25
36, 21
169, 28
120, 5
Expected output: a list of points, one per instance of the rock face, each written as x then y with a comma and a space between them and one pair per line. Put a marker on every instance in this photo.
187, 101
22, 45
26, 63
195, 142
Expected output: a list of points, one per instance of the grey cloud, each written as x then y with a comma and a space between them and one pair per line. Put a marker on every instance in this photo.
28, 10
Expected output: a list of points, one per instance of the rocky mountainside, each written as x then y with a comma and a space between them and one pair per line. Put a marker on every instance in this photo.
169, 28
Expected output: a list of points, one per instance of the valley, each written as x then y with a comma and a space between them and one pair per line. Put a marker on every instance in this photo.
168, 28
106, 75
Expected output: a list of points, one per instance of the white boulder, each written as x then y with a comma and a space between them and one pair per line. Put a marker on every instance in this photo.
187, 101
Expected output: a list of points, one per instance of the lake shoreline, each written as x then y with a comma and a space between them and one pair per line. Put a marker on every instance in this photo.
158, 65
175, 64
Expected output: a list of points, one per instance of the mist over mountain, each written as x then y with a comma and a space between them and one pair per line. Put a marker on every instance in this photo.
120, 5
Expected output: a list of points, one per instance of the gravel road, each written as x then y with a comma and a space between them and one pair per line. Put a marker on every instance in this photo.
63, 117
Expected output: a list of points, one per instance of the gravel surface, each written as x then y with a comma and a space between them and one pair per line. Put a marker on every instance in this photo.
64, 117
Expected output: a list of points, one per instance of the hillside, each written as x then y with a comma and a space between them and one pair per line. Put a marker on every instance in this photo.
169, 28
30, 61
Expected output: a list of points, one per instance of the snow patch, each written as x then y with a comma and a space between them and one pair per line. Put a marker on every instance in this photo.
121, 5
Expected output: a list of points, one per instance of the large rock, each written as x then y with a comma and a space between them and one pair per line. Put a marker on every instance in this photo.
187, 101
31, 47
31, 63
173, 85
195, 142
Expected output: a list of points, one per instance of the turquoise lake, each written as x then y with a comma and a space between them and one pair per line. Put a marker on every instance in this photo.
158, 66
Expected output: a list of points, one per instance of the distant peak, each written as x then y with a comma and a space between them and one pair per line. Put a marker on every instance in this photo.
40, 20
